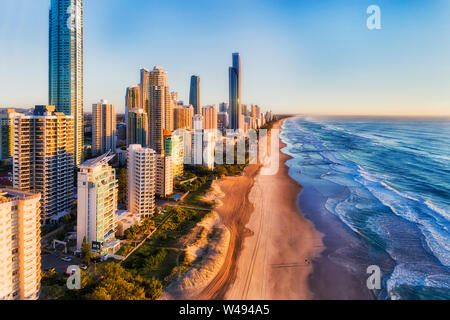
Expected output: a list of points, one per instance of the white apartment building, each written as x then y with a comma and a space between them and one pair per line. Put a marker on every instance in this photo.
164, 175
43, 159
141, 181
20, 245
97, 205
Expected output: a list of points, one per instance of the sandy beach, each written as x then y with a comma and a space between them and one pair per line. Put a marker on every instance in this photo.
271, 245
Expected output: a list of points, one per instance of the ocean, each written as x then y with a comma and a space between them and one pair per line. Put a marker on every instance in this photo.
386, 183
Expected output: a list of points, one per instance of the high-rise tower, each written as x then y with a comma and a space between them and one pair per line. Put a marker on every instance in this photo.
194, 94
66, 64
235, 93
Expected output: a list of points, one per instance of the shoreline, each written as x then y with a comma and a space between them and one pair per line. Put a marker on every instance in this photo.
271, 244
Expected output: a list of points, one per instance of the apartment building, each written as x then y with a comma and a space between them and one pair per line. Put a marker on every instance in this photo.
20, 245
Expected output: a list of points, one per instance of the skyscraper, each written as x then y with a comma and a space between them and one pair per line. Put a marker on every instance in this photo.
97, 204
160, 108
235, 93
141, 181
194, 94
43, 159
103, 128
66, 64
20, 245
132, 98
143, 86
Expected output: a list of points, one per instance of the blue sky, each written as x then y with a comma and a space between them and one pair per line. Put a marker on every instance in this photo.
313, 57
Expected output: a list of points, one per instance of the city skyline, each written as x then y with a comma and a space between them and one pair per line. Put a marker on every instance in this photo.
370, 72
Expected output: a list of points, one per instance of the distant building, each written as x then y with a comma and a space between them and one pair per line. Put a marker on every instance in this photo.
164, 175
143, 91
141, 181
197, 122
235, 85
20, 245
44, 159
222, 121
97, 205
223, 107
103, 128
209, 114
183, 117
137, 127
194, 94
7, 133
174, 147
132, 99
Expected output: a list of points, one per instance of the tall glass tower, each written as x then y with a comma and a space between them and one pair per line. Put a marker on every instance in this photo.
66, 64
194, 94
235, 93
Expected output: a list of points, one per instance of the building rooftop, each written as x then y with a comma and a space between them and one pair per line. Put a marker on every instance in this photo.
103, 159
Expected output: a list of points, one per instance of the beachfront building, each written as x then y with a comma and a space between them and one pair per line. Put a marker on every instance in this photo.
137, 127
194, 94
209, 114
20, 245
141, 181
174, 147
44, 159
97, 205
143, 90
66, 64
7, 133
164, 175
103, 127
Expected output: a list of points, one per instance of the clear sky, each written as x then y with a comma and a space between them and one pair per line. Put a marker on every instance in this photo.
303, 56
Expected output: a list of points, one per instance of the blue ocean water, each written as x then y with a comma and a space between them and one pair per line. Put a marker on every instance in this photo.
388, 182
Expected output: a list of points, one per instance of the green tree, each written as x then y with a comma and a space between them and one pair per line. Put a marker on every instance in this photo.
86, 253
122, 185
117, 284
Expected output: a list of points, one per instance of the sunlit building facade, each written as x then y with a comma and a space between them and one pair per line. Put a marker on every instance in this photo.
44, 159
103, 128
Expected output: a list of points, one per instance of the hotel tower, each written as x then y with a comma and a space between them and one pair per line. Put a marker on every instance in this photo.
66, 64
160, 108
43, 159
97, 204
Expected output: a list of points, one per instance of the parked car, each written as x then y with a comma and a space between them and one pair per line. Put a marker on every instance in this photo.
66, 259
